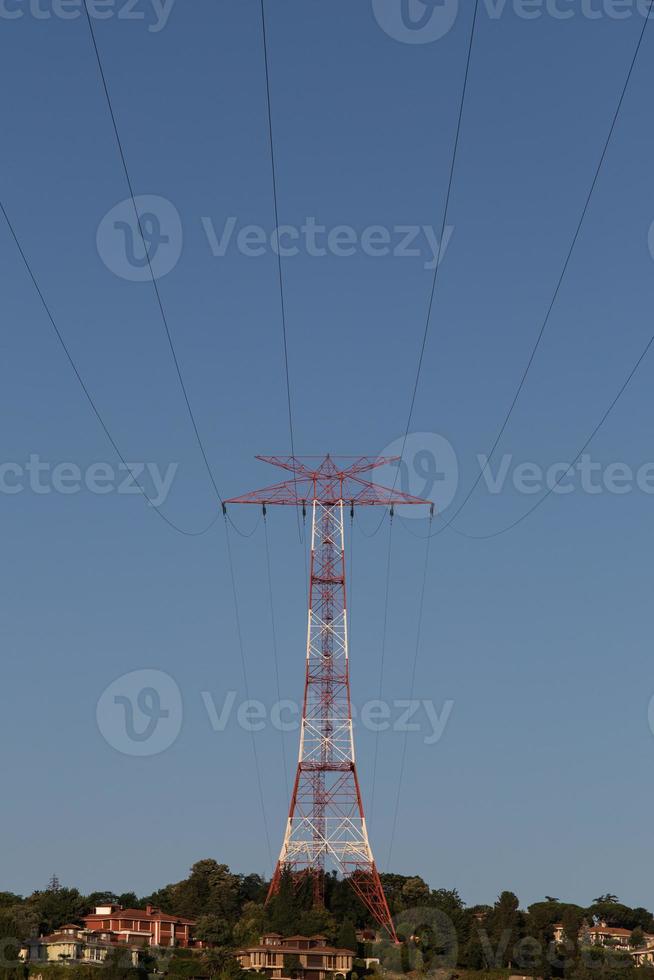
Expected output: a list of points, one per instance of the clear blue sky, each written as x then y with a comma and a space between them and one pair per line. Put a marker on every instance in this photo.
541, 637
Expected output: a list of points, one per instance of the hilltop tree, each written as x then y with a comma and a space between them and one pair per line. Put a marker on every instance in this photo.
343, 902
210, 889
415, 892
347, 936
101, 898
252, 888
55, 908
622, 916
250, 925
317, 921
214, 929
503, 929
284, 908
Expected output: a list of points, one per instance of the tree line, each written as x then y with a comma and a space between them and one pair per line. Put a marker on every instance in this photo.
438, 929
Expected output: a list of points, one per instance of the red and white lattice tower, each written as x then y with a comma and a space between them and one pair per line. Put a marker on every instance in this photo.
326, 826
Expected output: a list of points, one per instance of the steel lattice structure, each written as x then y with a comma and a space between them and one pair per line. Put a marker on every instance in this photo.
326, 824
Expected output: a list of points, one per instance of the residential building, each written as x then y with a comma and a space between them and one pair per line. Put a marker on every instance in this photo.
111, 927
298, 957
611, 937
641, 957
72, 944
157, 928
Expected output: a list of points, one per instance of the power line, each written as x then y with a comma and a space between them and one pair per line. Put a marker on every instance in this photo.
557, 287
413, 684
274, 646
303, 542
350, 578
382, 661
588, 441
446, 209
280, 276
147, 252
374, 533
85, 388
239, 634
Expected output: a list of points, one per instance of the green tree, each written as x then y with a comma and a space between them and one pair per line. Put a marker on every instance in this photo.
250, 925
129, 900
20, 920
312, 922
252, 888
186, 967
214, 929
8, 899
347, 936
162, 899
472, 955
415, 892
56, 907
17, 972
284, 908
572, 920
216, 960
502, 931
118, 966
209, 889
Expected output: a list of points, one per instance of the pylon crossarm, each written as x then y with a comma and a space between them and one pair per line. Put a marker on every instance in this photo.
313, 465
329, 482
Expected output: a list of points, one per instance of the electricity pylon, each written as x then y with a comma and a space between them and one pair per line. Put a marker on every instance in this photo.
326, 822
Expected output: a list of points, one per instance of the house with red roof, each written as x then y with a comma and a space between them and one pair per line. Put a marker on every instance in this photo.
150, 925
